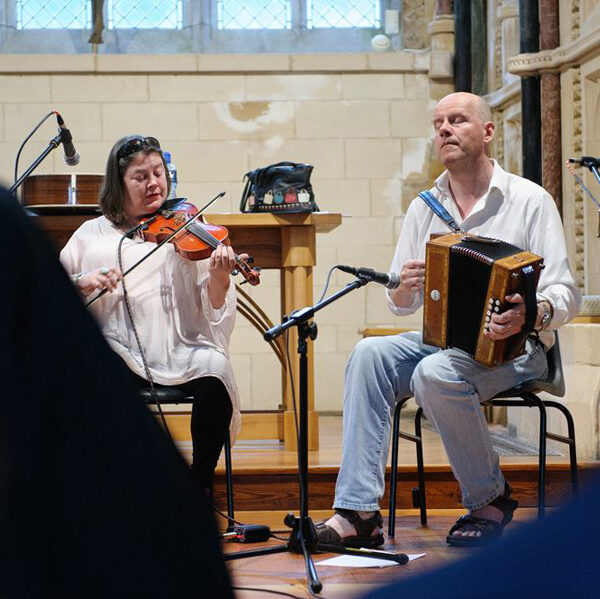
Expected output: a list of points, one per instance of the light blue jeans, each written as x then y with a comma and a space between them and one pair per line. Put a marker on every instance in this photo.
449, 385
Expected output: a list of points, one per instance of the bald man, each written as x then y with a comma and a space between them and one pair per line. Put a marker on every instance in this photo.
448, 384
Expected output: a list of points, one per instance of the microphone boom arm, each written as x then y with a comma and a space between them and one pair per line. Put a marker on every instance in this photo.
52, 145
592, 166
305, 314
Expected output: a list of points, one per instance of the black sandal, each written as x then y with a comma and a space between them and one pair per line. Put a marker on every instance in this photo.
489, 529
364, 529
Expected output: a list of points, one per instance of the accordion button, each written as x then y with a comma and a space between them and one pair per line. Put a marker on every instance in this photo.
435, 295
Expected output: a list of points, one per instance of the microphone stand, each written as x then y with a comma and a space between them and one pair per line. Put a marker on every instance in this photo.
303, 538
594, 169
52, 145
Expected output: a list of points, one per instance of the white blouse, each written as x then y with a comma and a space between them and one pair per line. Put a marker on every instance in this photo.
182, 335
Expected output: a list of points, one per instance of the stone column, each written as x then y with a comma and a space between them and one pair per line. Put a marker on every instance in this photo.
441, 34
462, 46
551, 110
444, 7
508, 16
529, 33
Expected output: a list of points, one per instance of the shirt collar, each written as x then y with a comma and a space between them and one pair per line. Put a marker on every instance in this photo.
499, 182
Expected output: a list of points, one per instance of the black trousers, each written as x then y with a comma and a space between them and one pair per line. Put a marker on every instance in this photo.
211, 416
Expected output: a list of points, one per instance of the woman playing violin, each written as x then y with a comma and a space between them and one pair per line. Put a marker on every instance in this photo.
183, 310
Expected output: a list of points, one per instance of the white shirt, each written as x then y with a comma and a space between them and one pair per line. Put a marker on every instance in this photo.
514, 210
182, 335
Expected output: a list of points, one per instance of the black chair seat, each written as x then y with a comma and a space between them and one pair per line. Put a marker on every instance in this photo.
523, 395
166, 395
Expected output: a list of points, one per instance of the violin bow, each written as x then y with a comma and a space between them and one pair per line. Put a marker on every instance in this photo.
185, 225
590, 194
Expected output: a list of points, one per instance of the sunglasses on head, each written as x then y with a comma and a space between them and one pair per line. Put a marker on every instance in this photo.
137, 145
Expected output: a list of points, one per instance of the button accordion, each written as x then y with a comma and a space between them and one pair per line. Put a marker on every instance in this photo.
467, 279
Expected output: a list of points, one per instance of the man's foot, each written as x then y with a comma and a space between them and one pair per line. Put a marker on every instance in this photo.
483, 525
351, 529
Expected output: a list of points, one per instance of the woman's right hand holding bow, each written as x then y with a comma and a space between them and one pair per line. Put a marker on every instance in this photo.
98, 279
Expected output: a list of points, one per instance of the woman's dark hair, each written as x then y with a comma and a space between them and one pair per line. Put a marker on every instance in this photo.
120, 157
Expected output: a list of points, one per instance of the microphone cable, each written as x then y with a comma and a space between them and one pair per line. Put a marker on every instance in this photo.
44, 119
138, 341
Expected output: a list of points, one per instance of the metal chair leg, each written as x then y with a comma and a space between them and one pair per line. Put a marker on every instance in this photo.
229, 481
569, 440
542, 459
420, 466
394, 469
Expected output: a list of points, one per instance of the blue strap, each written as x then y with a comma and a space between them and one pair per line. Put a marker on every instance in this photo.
435, 205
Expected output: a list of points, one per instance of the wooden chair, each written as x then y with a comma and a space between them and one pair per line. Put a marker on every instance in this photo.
172, 395
524, 396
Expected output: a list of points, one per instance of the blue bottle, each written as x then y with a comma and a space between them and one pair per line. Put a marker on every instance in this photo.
173, 173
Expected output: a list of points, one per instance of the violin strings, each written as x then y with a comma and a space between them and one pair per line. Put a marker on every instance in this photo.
211, 240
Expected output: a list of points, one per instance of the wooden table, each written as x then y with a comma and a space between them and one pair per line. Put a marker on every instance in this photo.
283, 241
288, 243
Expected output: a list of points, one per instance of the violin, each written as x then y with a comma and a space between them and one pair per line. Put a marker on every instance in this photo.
195, 242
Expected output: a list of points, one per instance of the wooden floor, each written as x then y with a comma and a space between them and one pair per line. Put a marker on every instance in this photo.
286, 571
265, 485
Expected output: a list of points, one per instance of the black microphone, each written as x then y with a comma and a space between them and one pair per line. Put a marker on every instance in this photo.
71, 156
391, 280
587, 161
130, 234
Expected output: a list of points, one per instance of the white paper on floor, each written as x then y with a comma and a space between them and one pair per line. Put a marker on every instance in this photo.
356, 561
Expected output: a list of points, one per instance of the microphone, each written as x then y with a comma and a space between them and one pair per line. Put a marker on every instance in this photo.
391, 280
587, 161
130, 234
71, 156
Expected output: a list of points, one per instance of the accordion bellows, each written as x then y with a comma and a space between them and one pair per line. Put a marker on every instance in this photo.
467, 279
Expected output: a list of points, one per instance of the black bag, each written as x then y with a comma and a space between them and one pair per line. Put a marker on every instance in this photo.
281, 187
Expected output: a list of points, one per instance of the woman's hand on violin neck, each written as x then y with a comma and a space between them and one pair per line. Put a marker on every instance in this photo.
99, 279
221, 263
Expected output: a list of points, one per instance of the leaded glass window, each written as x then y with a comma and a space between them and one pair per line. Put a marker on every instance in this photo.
53, 14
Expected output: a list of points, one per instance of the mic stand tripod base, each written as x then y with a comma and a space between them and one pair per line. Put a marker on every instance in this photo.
303, 539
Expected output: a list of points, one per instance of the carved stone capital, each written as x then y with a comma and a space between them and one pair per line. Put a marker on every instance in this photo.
441, 24
508, 10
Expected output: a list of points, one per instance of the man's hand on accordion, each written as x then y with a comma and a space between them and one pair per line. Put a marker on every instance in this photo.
412, 280
510, 322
